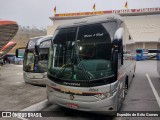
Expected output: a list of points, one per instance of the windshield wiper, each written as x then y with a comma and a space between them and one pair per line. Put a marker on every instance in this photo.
69, 64
82, 66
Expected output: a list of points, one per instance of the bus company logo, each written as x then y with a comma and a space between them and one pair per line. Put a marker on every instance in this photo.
71, 97
72, 84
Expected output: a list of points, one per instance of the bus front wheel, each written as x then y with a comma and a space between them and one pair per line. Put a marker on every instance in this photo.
126, 85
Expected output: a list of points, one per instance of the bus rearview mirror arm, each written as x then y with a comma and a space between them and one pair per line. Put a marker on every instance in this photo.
37, 51
17, 51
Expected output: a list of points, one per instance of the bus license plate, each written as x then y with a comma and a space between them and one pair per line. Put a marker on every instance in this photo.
72, 105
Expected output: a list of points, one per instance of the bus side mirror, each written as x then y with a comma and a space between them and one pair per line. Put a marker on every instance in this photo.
20, 52
17, 51
117, 42
117, 48
37, 51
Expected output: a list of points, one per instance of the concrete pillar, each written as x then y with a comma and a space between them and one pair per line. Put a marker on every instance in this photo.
144, 45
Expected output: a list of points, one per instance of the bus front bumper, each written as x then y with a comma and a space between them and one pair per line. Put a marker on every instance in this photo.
106, 106
35, 81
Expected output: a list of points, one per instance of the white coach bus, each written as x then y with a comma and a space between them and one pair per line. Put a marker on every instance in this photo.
36, 60
89, 68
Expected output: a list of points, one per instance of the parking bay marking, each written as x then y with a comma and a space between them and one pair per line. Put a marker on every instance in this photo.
154, 90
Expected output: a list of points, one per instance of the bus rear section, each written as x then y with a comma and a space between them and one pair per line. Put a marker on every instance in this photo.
86, 70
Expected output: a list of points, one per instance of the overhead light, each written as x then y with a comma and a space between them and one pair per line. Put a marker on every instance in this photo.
80, 48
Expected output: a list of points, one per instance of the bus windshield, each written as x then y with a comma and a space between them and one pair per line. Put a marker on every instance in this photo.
36, 55
33, 64
29, 61
82, 53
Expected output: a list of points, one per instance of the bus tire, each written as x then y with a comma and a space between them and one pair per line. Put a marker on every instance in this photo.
123, 93
120, 99
133, 75
134, 71
126, 85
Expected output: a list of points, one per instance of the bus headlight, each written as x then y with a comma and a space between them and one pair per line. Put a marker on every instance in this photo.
105, 95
